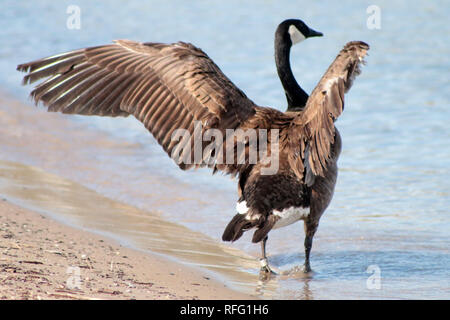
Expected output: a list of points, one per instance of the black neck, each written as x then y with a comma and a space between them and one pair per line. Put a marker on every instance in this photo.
296, 96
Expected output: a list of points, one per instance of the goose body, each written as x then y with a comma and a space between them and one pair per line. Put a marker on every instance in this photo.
173, 87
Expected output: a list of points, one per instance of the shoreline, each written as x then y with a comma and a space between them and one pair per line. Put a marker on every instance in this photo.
44, 259
47, 167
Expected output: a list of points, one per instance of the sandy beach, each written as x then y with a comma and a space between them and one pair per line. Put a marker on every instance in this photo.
43, 259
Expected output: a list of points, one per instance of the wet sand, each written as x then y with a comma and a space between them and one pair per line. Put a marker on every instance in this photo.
43, 259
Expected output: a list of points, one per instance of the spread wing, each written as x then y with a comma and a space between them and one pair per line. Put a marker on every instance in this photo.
173, 89
313, 131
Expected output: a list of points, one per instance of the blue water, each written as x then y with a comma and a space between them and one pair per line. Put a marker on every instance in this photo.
392, 199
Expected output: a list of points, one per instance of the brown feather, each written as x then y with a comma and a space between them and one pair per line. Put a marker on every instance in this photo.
165, 86
315, 124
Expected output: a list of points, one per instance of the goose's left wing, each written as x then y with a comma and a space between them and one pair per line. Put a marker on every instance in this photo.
314, 126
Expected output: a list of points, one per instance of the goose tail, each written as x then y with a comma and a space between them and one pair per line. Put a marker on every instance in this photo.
237, 226
240, 223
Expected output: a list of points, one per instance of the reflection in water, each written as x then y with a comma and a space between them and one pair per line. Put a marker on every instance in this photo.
307, 293
303, 279
72, 203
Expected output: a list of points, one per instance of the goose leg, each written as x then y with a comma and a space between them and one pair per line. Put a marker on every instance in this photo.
308, 246
265, 269
310, 230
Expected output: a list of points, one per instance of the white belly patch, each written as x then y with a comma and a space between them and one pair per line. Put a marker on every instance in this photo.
289, 216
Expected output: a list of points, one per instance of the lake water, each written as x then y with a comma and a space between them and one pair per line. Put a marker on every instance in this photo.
390, 211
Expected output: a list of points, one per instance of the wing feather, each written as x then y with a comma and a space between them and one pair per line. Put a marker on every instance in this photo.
165, 86
314, 126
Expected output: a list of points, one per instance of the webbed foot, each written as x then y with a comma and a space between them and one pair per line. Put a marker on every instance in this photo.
306, 268
265, 273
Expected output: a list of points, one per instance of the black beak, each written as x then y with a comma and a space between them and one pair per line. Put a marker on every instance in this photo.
314, 33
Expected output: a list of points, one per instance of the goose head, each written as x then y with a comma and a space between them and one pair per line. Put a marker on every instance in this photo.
295, 31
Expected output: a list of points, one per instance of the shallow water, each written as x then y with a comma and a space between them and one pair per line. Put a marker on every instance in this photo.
72, 203
390, 207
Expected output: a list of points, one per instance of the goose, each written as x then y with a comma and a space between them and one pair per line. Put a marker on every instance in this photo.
182, 97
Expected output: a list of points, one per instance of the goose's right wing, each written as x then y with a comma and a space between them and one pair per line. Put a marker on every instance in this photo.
170, 88
314, 126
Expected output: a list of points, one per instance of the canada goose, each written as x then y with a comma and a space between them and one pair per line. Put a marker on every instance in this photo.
173, 87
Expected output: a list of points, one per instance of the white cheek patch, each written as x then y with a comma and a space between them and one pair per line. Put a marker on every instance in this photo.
289, 216
296, 35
